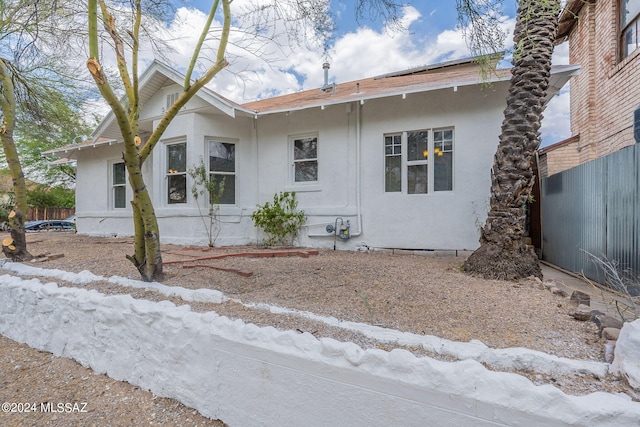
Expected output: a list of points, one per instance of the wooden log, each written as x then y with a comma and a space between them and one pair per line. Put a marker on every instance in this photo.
44, 258
244, 273
259, 254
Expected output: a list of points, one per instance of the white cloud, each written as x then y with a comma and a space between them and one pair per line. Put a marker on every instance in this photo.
556, 124
270, 65
262, 67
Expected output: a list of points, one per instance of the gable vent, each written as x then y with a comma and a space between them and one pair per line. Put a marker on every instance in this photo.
171, 99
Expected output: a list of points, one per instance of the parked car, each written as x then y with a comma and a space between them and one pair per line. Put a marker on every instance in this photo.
46, 225
71, 218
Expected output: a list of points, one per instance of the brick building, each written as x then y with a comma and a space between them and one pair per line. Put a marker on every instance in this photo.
603, 39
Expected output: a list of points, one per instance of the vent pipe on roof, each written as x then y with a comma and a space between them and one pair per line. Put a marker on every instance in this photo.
326, 67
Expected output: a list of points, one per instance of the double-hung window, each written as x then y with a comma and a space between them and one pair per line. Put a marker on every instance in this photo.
305, 159
629, 26
118, 185
443, 160
393, 163
419, 162
177, 173
222, 172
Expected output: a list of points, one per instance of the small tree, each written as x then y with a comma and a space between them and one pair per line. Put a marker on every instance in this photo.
147, 256
280, 220
213, 187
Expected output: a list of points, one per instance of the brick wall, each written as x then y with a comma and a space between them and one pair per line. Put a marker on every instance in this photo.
607, 91
561, 157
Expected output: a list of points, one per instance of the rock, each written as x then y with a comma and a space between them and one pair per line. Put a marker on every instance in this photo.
605, 321
609, 351
534, 279
584, 313
610, 333
580, 298
627, 354
633, 289
558, 291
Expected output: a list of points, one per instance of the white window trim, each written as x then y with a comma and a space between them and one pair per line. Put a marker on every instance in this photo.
430, 162
306, 185
235, 142
112, 186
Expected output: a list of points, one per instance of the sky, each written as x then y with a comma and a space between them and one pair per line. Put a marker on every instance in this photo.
274, 65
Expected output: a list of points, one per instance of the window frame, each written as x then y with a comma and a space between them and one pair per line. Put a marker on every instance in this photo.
395, 152
234, 174
114, 185
294, 161
429, 161
170, 173
634, 22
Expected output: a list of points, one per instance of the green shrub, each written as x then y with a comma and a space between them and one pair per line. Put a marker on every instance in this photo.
280, 220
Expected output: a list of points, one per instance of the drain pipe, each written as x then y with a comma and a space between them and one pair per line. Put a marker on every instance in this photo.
358, 178
358, 169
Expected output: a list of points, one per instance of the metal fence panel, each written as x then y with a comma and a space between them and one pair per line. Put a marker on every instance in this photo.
594, 207
622, 209
574, 217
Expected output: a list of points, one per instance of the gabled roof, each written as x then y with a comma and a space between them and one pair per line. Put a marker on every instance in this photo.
455, 74
395, 84
157, 76
568, 18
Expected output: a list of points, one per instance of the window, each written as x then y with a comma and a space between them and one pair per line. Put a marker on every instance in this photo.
305, 159
177, 173
118, 185
410, 169
392, 163
417, 162
629, 26
443, 160
222, 170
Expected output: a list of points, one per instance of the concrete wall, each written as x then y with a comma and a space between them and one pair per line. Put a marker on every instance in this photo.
251, 376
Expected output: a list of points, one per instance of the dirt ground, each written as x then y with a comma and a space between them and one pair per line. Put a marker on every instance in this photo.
422, 294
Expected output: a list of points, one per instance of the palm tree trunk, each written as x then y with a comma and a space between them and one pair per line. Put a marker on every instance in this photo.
502, 253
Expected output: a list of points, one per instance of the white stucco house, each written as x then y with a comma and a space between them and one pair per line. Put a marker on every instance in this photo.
403, 159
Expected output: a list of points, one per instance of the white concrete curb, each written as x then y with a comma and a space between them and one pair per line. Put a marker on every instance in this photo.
250, 376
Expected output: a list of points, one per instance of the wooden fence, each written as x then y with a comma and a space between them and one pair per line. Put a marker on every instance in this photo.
36, 214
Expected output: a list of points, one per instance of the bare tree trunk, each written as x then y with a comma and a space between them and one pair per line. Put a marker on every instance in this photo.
16, 247
147, 255
503, 253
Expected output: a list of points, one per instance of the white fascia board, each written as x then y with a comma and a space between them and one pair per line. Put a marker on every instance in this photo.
71, 148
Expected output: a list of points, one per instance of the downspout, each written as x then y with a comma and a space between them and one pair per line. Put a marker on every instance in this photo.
358, 180
358, 169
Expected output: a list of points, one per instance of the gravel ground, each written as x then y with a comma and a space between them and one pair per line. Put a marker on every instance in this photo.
415, 293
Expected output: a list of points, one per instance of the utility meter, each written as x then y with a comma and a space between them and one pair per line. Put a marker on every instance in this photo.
343, 231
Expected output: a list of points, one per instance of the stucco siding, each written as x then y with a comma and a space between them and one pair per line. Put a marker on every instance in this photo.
442, 219
350, 185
